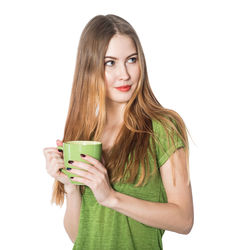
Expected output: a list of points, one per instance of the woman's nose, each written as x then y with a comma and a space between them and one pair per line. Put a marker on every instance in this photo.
123, 72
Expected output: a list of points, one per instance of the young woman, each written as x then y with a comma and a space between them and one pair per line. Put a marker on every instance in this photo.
141, 187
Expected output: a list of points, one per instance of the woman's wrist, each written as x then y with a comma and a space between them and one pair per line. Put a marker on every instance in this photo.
70, 188
112, 200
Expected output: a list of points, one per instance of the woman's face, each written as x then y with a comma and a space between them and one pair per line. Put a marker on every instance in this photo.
122, 69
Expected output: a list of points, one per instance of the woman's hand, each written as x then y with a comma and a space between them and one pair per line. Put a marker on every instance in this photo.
95, 176
54, 164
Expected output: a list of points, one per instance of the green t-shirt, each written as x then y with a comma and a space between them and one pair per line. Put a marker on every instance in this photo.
102, 228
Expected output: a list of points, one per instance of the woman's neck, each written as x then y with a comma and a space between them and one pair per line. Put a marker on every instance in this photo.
115, 114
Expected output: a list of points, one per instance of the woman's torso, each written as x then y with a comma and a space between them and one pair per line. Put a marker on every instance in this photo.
105, 229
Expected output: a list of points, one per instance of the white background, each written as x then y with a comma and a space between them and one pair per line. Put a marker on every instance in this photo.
198, 59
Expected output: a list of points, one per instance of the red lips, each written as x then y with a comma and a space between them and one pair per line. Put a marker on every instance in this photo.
124, 88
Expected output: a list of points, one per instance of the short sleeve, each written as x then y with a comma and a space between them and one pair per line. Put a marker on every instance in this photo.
164, 145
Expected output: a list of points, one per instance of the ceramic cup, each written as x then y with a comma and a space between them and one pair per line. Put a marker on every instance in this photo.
72, 151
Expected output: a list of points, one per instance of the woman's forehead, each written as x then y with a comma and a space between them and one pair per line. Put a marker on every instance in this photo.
120, 46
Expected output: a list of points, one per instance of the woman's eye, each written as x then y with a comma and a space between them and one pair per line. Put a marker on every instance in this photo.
109, 63
133, 58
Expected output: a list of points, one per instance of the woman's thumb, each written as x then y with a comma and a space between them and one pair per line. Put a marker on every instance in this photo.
59, 143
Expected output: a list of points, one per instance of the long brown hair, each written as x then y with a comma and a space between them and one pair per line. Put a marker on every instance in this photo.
87, 109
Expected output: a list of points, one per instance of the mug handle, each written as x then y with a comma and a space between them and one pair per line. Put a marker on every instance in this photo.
60, 147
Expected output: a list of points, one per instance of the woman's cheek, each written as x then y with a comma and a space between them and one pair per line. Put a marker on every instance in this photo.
108, 78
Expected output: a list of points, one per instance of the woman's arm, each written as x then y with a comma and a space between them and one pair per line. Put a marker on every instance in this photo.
54, 164
72, 213
176, 215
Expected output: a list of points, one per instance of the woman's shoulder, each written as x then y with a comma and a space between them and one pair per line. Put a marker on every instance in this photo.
166, 138
167, 129
161, 124
170, 121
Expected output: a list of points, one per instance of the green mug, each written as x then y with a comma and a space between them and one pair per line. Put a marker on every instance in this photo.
73, 149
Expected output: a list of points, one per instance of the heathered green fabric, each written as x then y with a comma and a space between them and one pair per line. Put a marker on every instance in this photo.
101, 228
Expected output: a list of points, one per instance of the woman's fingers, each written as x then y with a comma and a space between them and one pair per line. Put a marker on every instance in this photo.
84, 181
54, 155
59, 143
84, 167
94, 162
58, 163
48, 151
54, 168
82, 173
54, 163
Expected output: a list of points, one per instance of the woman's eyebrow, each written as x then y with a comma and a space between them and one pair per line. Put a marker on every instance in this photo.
117, 58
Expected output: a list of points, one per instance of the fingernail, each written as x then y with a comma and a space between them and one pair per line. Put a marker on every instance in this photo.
68, 168
83, 155
70, 162
60, 150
